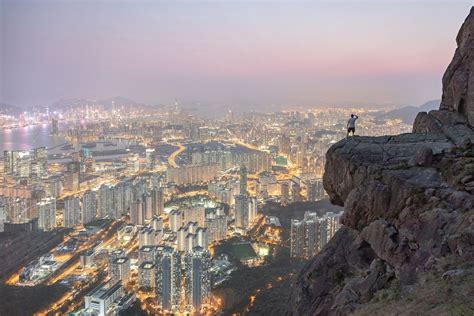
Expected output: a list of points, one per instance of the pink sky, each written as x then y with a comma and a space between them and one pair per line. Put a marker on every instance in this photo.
240, 54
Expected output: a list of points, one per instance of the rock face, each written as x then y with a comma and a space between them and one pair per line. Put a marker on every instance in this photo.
408, 233
458, 85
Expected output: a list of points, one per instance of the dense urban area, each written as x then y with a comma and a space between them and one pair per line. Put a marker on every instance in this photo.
121, 207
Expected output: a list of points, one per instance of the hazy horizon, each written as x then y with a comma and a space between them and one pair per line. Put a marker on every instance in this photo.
237, 54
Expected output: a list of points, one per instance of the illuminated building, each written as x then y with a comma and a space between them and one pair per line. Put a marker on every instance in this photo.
150, 158
202, 237
241, 211
89, 207
168, 277
297, 244
146, 276
295, 192
47, 214
72, 212
106, 202
156, 223
243, 180
312, 233
197, 278
216, 226
101, 301
285, 193
137, 214
146, 254
194, 214
119, 268
158, 201
175, 220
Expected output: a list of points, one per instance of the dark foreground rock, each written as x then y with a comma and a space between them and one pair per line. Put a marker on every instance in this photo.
407, 245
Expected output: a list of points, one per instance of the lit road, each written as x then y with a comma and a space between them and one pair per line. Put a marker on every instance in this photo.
172, 157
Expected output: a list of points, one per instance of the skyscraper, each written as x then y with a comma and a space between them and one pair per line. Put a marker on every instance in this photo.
106, 202
89, 207
197, 278
72, 212
285, 193
158, 201
243, 180
47, 214
297, 244
241, 211
168, 277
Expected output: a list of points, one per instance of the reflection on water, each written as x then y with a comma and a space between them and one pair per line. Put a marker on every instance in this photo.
28, 137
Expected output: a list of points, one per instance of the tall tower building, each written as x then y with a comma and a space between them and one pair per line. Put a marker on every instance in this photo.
197, 278
241, 211
89, 207
297, 246
158, 201
47, 214
285, 193
243, 180
168, 277
72, 212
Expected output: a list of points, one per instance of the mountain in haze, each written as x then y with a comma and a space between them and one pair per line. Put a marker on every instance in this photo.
109, 103
8, 109
408, 113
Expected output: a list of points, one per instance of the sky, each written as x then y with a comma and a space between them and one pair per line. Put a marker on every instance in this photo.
239, 54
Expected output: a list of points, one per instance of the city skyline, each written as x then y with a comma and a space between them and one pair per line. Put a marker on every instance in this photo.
234, 54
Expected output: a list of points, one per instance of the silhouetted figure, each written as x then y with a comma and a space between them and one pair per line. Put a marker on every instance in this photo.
351, 125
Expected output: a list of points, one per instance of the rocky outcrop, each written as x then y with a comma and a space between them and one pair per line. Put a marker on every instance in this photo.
409, 213
458, 86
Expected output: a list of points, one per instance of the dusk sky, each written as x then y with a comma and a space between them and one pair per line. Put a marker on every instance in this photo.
246, 54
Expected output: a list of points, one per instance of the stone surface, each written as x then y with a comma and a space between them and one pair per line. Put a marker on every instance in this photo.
409, 208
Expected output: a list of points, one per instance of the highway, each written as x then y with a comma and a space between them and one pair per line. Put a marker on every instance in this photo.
172, 157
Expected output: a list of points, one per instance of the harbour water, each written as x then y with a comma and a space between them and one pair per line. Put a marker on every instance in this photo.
25, 138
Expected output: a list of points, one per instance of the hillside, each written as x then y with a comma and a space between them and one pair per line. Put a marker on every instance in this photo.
408, 113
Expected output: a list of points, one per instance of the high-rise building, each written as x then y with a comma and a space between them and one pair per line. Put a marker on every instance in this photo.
243, 180
311, 191
168, 277
3, 217
285, 193
295, 192
106, 202
146, 254
197, 278
89, 207
72, 212
158, 200
252, 213
54, 127
47, 214
217, 227
312, 233
202, 237
175, 220
194, 214
150, 158
297, 245
119, 269
241, 211
181, 238
146, 276
137, 213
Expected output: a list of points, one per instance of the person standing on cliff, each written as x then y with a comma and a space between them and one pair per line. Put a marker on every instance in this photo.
351, 124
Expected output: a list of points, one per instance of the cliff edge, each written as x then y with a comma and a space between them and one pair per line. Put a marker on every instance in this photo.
407, 244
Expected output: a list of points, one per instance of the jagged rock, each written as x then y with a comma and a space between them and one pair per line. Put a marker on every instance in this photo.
458, 79
408, 200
